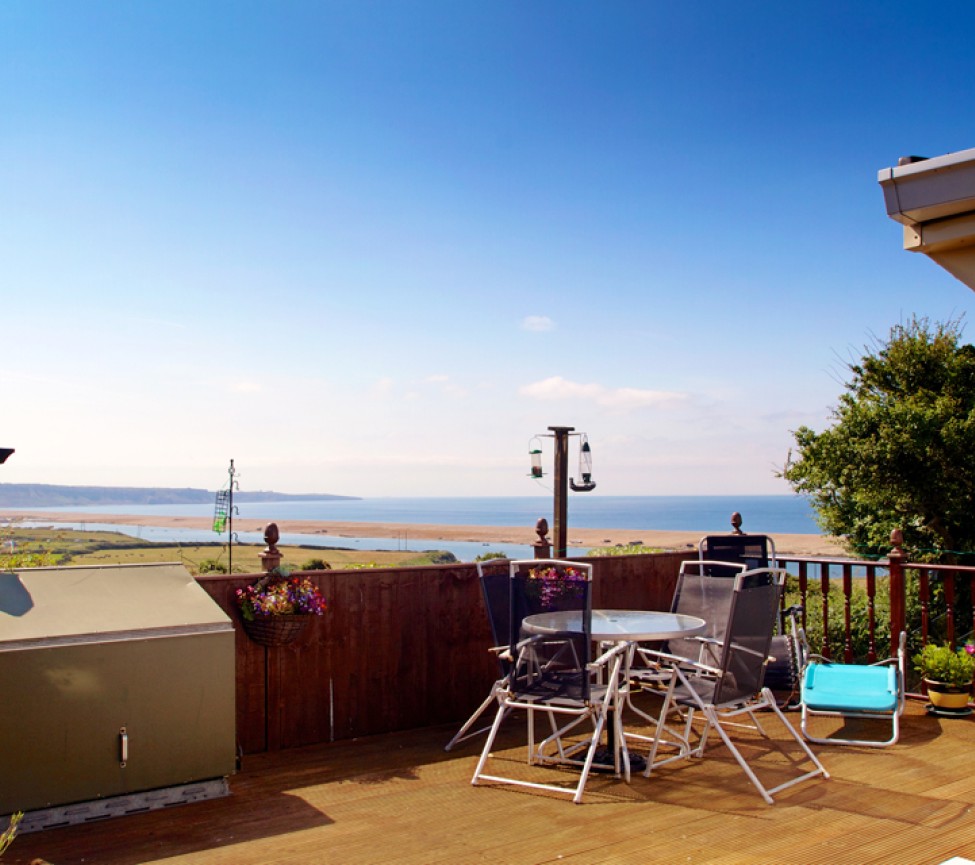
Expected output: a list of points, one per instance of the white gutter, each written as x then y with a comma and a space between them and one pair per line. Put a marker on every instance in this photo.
934, 199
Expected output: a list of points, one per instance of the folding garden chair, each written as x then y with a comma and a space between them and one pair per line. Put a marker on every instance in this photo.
753, 551
495, 581
701, 594
553, 676
854, 691
724, 692
786, 657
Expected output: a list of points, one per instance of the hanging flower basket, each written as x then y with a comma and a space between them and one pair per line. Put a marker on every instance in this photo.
275, 630
275, 610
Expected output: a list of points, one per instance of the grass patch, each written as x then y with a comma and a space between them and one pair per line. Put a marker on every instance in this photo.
20, 547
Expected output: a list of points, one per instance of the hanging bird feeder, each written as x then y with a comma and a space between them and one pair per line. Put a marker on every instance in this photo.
585, 468
535, 453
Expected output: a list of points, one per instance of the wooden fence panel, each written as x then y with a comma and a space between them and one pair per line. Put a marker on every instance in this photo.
398, 648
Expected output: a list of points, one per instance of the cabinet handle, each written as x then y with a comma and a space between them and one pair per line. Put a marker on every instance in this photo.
123, 746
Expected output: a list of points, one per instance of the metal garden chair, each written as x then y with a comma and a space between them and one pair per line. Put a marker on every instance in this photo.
786, 652
495, 581
553, 676
724, 692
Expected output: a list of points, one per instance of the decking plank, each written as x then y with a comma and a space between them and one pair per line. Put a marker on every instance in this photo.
400, 799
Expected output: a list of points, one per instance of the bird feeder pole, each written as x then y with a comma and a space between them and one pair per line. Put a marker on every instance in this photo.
560, 530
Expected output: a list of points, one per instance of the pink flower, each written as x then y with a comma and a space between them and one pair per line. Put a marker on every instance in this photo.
970, 648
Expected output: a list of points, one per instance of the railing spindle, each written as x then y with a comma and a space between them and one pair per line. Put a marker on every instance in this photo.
871, 613
847, 613
804, 590
824, 592
949, 584
924, 596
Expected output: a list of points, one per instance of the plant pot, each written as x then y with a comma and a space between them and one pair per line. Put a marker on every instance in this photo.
945, 696
275, 630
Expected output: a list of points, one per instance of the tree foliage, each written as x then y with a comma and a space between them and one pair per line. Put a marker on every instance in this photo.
901, 453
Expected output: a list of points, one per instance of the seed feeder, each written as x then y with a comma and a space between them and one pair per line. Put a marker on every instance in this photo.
585, 468
535, 453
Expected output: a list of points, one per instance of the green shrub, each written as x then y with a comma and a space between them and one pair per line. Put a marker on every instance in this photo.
211, 566
486, 557
16, 561
316, 565
624, 550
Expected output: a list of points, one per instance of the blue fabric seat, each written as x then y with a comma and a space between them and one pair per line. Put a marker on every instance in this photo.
844, 687
854, 691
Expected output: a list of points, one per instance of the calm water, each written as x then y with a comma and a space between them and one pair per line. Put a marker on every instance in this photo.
763, 514
704, 514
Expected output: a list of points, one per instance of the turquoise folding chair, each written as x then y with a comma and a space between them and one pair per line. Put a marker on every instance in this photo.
853, 691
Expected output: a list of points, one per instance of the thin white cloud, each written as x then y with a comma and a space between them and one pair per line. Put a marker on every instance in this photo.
558, 388
537, 323
244, 386
446, 386
383, 386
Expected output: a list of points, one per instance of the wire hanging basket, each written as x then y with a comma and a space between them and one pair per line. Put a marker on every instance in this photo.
275, 630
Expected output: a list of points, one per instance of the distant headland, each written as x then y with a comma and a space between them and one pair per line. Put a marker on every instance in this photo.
55, 495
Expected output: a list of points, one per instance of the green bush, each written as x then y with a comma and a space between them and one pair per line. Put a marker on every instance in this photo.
624, 550
211, 566
316, 565
486, 557
16, 561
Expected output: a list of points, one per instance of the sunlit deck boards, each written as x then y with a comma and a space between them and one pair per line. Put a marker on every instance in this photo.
400, 799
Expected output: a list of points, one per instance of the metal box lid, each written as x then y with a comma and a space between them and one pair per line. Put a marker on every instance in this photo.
69, 605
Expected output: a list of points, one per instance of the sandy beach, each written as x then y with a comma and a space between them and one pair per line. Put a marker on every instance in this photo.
797, 545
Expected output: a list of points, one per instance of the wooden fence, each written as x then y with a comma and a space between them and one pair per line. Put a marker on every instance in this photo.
398, 648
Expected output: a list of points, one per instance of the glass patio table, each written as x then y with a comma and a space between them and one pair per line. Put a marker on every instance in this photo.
618, 626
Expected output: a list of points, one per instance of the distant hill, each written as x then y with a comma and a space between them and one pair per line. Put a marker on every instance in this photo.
53, 496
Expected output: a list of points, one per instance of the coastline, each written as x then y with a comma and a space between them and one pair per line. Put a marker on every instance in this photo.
793, 544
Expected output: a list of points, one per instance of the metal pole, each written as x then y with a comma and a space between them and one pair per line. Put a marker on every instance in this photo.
230, 522
560, 530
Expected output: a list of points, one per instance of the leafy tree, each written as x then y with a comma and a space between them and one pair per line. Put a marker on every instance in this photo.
901, 453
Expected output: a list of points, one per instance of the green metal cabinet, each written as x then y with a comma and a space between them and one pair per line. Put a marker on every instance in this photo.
113, 680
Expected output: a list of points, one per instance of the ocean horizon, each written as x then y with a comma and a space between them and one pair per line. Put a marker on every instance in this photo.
780, 514
760, 513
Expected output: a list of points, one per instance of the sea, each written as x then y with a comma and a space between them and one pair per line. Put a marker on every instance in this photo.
761, 514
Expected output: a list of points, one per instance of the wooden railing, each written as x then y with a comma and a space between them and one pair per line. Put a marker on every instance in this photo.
931, 602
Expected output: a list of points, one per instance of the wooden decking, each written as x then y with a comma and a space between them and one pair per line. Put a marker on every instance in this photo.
400, 799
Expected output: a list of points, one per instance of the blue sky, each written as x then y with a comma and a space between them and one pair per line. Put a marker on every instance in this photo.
372, 248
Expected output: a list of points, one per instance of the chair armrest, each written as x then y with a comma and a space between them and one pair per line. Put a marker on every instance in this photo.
677, 661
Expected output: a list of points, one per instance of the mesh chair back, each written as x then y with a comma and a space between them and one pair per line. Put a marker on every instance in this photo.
557, 663
496, 590
700, 593
754, 612
753, 551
